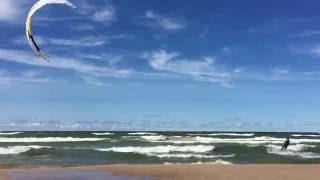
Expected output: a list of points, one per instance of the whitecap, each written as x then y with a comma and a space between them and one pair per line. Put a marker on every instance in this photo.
19, 149
249, 141
218, 161
159, 149
293, 150
154, 138
142, 133
305, 135
103, 134
49, 139
225, 134
9, 133
198, 156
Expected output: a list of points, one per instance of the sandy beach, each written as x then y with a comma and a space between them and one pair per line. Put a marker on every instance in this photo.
186, 172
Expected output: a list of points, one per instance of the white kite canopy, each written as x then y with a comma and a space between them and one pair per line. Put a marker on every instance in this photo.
33, 10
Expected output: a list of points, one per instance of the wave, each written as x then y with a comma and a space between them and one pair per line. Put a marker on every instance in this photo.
10, 133
218, 161
249, 141
305, 135
159, 149
293, 150
102, 134
19, 149
198, 156
49, 139
142, 133
225, 134
154, 138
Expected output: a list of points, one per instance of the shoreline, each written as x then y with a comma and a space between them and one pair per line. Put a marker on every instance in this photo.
187, 171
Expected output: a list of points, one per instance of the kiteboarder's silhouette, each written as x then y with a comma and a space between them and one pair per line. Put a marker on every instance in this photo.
285, 144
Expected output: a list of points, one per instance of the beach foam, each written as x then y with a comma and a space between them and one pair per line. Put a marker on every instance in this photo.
199, 156
218, 161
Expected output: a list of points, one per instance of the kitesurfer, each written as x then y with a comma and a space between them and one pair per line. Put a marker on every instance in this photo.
285, 144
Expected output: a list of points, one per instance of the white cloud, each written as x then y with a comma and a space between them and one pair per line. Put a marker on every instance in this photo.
309, 33
277, 24
204, 34
203, 69
315, 50
306, 49
228, 50
84, 41
82, 27
280, 71
93, 81
106, 15
103, 13
28, 58
11, 10
164, 22
8, 78
88, 41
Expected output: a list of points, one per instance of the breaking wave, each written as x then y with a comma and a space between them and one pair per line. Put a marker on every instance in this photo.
159, 149
49, 139
218, 161
9, 133
293, 150
142, 133
199, 156
19, 149
154, 138
248, 141
305, 135
103, 134
226, 134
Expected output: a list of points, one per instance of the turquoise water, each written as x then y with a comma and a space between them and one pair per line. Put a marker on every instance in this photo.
23, 149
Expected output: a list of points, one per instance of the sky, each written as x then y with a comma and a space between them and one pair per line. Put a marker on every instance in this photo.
222, 65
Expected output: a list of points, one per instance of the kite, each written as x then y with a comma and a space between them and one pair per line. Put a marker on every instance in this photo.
33, 10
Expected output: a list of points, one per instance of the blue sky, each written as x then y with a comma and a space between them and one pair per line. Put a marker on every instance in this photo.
162, 65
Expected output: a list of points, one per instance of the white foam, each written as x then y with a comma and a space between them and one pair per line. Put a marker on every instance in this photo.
10, 133
218, 161
159, 149
305, 135
142, 133
19, 149
249, 141
225, 134
102, 134
50, 139
198, 156
154, 138
293, 150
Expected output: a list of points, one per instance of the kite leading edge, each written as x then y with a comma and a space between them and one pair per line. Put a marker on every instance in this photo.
33, 10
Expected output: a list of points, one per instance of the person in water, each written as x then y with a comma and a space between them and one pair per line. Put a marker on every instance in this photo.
285, 144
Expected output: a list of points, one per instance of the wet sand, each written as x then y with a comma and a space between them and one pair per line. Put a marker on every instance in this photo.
166, 172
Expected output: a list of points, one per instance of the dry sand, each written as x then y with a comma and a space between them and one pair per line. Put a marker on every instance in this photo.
193, 172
